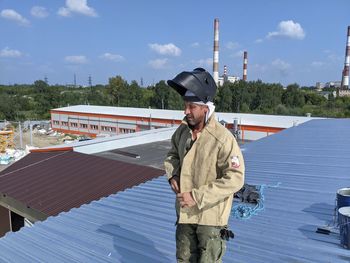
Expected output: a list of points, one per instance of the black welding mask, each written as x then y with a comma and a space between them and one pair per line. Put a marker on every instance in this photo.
198, 81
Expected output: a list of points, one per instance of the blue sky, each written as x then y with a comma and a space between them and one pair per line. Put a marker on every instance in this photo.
289, 41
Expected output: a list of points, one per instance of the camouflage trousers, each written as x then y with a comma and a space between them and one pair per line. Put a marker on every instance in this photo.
198, 243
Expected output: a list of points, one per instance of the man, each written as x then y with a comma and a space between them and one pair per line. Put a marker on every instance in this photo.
205, 168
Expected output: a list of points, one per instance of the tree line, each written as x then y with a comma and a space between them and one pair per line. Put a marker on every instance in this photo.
25, 102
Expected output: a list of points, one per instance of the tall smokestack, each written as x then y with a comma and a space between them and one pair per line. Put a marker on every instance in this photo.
345, 77
225, 74
216, 52
245, 63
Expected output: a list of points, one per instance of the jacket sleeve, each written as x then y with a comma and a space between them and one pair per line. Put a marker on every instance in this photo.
172, 160
231, 166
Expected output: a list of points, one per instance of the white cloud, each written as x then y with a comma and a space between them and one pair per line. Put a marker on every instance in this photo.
238, 54
158, 63
63, 11
231, 45
112, 57
260, 67
317, 63
10, 53
259, 40
195, 44
333, 57
282, 66
206, 62
39, 12
167, 49
11, 14
76, 59
288, 29
77, 6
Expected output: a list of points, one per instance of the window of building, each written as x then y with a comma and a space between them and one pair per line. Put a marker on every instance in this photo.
56, 122
125, 130
93, 127
83, 125
108, 129
74, 124
64, 123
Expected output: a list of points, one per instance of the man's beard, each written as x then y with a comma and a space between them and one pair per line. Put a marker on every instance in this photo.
193, 122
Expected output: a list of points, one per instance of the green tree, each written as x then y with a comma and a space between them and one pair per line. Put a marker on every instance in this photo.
293, 96
40, 86
224, 98
117, 88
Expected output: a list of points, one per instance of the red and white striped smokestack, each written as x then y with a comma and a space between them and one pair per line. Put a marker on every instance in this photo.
245, 64
345, 77
216, 52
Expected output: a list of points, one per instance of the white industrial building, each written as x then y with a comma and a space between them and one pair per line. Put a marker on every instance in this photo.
96, 120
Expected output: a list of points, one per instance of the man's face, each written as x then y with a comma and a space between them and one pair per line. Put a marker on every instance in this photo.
195, 114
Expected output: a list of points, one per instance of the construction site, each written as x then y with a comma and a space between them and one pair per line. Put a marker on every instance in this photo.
90, 185
16, 142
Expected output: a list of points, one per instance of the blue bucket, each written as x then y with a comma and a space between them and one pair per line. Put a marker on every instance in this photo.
344, 226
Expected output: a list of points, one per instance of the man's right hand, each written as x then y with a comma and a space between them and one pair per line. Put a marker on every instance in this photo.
175, 184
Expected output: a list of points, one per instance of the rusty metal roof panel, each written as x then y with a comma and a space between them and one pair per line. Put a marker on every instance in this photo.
55, 182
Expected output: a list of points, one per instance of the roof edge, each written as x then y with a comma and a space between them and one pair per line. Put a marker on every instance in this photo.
44, 150
21, 208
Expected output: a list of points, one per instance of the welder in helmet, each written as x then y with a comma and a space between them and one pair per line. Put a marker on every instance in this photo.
205, 167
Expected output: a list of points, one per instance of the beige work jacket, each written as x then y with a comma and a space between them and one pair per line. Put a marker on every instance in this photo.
213, 170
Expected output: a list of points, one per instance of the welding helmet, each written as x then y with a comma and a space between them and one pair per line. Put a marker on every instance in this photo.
198, 81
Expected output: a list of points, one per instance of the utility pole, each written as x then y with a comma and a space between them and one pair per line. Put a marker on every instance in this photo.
20, 134
31, 133
90, 81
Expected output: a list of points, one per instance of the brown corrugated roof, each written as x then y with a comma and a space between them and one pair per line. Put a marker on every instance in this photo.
53, 182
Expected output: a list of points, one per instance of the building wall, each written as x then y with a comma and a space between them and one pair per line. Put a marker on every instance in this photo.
344, 93
94, 124
94, 120
5, 224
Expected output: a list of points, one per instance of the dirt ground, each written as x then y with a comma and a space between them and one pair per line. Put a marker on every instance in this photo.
38, 140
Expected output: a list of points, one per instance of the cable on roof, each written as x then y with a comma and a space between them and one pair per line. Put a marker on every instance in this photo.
32, 164
246, 211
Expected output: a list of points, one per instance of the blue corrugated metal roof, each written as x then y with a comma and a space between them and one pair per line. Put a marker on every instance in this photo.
310, 162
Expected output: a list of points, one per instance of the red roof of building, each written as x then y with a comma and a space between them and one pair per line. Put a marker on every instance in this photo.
52, 182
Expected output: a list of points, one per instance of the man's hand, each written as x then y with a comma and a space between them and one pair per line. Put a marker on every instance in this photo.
186, 199
175, 184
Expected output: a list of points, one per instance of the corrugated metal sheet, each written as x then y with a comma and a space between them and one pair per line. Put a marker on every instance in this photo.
58, 181
137, 225
119, 141
150, 154
246, 119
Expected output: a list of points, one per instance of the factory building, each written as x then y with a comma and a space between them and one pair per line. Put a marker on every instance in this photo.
102, 121
226, 78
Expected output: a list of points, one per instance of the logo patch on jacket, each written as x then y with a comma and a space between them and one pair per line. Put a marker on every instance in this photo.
235, 162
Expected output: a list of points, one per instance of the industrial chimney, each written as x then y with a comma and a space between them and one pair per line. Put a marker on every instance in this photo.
245, 62
345, 76
216, 52
225, 74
